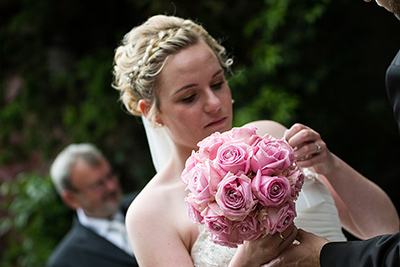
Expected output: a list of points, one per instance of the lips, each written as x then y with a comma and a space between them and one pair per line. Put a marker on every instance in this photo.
216, 122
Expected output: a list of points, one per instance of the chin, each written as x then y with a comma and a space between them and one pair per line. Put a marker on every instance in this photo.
112, 204
112, 209
228, 126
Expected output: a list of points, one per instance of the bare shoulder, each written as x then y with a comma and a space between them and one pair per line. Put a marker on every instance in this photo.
273, 128
143, 206
152, 207
157, 221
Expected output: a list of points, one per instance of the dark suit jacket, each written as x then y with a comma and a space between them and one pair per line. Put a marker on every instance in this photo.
382, 250
379, 251
393, 86
82, 247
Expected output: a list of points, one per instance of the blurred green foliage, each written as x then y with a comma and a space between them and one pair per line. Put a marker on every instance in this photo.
319, 62
272, 55
36, 220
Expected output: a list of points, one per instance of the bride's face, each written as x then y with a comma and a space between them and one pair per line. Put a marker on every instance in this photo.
195, 99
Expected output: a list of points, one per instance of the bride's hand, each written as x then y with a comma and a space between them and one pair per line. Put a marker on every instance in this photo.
264, 249
310, 148
306, 253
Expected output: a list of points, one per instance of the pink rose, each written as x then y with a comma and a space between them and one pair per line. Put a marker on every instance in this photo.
234, 196
281, 217
297, 177
219, 227
248, 229
202, 181
191, 161
215, 177
193, 210
189, 164
272, 156
271, 191
208, 147
267, 225
234, 158
246, 134
198, 180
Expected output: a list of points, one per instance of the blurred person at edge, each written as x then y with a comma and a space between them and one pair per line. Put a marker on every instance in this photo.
86, 183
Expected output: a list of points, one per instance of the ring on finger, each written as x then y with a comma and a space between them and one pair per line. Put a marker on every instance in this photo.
281, 236
318, 147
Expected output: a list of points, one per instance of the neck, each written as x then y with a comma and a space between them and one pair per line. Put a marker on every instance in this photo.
177, 161
183, 153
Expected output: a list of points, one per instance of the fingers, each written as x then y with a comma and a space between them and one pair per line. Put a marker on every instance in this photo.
304, 236
299, 135
309, 150
301, 234
289, 235
306, 253
277, 262
278, 242
307, 143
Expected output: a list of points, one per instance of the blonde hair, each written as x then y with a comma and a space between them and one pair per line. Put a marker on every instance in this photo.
144, 51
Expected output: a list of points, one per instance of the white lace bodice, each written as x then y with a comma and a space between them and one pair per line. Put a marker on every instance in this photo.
316, 213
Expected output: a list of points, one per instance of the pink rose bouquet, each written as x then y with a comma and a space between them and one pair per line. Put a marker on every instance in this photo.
242, 186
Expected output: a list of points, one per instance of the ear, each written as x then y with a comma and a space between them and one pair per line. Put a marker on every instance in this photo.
70, 199
158, 120
145, 106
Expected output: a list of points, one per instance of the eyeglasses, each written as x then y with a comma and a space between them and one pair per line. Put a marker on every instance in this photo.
98, 186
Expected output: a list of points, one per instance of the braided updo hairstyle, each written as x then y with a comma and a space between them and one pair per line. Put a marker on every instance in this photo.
143, 53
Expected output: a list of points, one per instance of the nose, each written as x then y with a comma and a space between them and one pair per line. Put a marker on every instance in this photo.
213, 103
112, 183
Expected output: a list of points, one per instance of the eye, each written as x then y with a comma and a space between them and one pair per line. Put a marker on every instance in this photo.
189, 98
110, 175
97, 186
217, 85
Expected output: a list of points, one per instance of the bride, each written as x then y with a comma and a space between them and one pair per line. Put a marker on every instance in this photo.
172, 72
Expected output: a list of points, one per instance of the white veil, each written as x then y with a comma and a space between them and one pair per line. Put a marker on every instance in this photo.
159, 142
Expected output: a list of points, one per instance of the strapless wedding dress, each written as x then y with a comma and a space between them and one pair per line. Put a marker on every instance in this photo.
316, 213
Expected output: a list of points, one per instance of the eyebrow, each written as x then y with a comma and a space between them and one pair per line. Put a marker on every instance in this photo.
195, 84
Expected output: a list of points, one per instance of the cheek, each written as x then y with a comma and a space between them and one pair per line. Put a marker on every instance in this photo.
187, 122
226, 98
91, 202
184, 128
226, 94
178, 118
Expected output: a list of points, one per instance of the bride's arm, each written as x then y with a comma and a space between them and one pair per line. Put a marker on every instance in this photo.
364, 208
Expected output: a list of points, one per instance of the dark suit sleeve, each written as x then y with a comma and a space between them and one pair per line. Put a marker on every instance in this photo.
393, 86
378, 251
